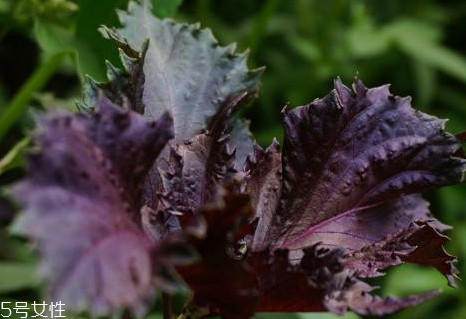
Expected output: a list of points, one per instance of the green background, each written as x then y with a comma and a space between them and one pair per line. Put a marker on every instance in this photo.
419, 46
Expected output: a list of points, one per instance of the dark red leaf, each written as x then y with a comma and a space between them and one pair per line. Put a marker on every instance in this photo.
222, 280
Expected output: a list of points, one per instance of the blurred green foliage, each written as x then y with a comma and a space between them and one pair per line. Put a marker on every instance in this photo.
47, 47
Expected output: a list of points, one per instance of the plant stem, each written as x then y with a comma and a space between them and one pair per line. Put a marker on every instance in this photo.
167, 306
12, 159
35, 83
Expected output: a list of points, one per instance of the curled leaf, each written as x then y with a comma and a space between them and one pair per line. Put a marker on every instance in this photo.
347, 181
186, 71
319, 282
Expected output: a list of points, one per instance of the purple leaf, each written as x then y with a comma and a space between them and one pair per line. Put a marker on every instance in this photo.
418, 243
130, 142
354, 151
107, 192
355, 295
264, 186
79, 207
367, 227
347, 181
196, 170
318, 282
283, 286
181, 69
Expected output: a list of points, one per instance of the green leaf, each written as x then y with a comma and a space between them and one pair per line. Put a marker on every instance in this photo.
307, 49
13, 158
417, 39
59, 11
15, 276
91, 15
54, 39
14, 248
425, 83
154, 315
4, 6
421, 41
437, 56
166, 8
365, 40
58, 7
34, 83
413, 279
452, 202
49, 102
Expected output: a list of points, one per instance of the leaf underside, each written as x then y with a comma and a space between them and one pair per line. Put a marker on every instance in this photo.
186, 71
